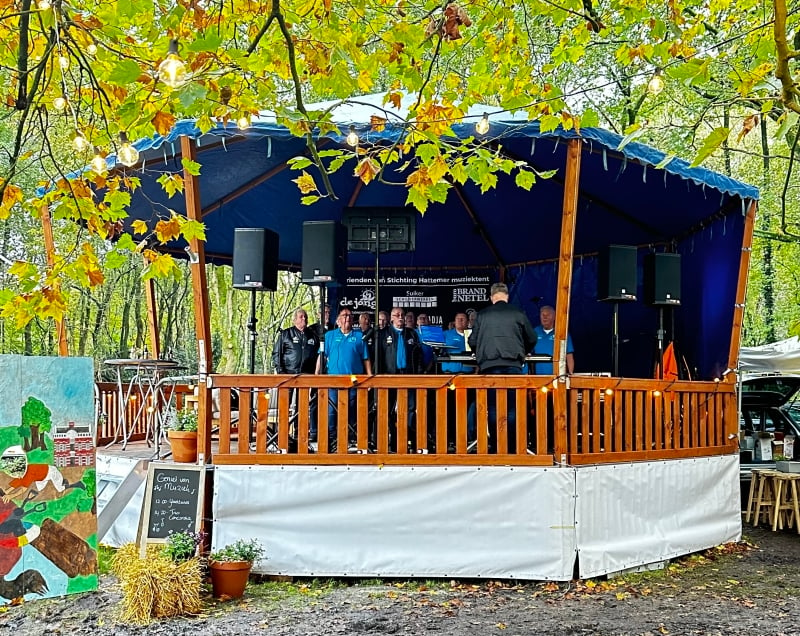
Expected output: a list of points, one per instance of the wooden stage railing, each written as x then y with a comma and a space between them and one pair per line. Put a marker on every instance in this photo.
448, 419
109, 412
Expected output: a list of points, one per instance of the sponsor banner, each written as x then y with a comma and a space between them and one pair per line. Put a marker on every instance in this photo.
437, 295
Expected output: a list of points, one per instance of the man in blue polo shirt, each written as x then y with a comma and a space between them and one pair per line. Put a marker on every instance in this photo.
545, 340
345, 354
456, 342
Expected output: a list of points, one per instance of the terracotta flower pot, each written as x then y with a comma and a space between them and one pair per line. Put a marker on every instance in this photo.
184, 446
229, 578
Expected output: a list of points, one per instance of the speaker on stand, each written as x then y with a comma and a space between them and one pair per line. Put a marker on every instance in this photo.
662, 288
324, 260
616, 283
255, 268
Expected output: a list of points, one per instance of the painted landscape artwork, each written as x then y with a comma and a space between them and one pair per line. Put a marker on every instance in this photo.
48, 515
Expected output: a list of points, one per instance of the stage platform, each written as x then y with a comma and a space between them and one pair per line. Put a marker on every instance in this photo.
514, 522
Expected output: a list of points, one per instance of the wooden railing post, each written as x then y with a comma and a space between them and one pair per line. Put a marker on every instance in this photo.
201, 309
567, 250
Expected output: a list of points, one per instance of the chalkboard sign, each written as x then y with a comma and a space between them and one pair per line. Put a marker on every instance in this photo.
173, 501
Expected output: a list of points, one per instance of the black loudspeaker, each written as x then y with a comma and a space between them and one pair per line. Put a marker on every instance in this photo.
255, 259
324, 252
662, 279
616, 274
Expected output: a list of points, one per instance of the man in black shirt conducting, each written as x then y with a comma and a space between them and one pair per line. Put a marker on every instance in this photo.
500, 337
296, 351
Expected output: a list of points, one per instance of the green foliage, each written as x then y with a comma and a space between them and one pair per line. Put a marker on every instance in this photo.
249, 550
184, 420
182, 546
13, 466
36, 414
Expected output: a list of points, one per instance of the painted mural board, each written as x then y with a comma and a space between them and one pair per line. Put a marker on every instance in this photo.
48, 513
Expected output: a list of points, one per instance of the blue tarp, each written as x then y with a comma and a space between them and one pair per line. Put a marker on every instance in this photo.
630, 196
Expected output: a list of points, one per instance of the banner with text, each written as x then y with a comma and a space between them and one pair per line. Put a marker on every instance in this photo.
440, 296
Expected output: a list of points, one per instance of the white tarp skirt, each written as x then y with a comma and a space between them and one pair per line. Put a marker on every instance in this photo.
499, 522
633, 514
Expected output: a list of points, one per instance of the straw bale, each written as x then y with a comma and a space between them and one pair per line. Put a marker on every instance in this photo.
156, 586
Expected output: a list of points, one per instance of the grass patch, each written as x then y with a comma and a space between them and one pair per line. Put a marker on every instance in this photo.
273, 593
104, 555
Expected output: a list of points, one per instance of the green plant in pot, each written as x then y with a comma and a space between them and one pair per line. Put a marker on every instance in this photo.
230, 567
182, 434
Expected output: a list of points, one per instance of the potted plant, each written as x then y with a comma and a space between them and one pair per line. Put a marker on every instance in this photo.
182, 434
785, 464
230, 567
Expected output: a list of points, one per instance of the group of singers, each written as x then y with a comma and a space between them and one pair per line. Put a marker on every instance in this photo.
501, 336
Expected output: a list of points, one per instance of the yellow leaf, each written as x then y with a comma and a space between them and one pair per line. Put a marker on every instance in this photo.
366, 170
621, 596
139, 227
163, 122
365, 80
395, 99
11, 195
501, 626
168, 230
377, 123
305, 182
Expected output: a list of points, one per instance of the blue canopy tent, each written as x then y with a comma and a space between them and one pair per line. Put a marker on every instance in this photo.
630, 194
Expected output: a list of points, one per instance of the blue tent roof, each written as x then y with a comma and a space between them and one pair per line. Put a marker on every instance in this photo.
628, 196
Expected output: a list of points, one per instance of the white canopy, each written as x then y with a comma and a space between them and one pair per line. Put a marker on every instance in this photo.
778, 357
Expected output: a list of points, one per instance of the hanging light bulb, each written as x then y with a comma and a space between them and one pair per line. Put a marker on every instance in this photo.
352, 137
91, 49
63, 62
656, 83
79, 142
127, 154
98, 162
243, 122
60, 102
172, 71
482, 127
43, 5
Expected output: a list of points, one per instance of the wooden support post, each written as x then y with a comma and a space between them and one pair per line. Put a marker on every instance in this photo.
201, 307
566, 254
741, 288
50, 255
152, 317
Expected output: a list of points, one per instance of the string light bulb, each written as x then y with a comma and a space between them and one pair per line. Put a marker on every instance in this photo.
172, 70
63, 62
79, 142
482, 127
656, 83
352, 137
92, 49
243, 122
60, 102
127, 154
43, 5
98, 162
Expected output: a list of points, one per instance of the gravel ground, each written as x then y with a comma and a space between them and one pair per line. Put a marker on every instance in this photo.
750, 588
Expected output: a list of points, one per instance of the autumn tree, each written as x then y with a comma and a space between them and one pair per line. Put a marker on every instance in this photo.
101, 74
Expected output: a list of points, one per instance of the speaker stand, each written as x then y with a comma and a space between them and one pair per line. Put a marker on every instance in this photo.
251, 328
660, 338
615, 341
376, 357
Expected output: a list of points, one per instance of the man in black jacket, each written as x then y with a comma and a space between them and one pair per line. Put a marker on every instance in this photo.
500, 338
398, 350
296, 350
